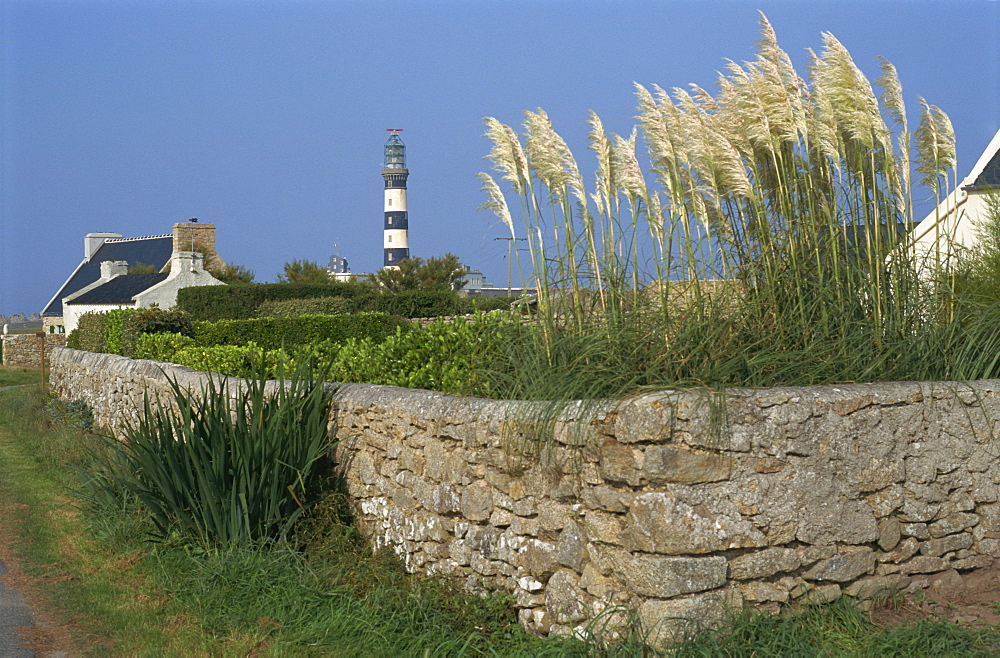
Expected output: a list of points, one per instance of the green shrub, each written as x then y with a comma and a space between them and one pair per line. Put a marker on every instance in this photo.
162, 346
207, 303
210, 303
89, 333
76, 413
232, 360
315, 306
414, 303
114, 329
487, 304
409, 304
275, 333
153, 321
225, 466
444, 356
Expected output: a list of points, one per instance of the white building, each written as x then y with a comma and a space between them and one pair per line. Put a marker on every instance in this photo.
101, 282
118, 289
954, 220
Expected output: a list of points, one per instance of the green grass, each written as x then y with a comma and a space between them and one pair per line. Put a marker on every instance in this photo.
25, 328
13, 376
134, 597
838, 629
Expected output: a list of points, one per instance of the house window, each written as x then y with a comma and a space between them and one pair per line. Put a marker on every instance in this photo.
390, 238
390, 220
390, 202
390, 258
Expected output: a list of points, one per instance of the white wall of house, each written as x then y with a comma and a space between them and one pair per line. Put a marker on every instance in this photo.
72, 312
954, 220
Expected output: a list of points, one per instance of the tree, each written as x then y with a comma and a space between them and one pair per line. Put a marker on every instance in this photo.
444, 273
231, 274
304, 271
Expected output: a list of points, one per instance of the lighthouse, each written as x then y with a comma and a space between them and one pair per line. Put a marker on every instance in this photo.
395, 241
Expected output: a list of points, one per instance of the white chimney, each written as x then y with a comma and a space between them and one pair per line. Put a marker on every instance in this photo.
93, 241
186, 262
112, 268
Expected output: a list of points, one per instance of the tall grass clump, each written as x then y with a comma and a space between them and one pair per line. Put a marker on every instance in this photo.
755, 237
228, 464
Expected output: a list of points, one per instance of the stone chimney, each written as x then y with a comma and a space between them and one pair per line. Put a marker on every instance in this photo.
93, 241
197, 236
112, 268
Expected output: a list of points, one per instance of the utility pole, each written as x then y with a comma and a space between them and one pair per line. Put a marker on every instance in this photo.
510, 249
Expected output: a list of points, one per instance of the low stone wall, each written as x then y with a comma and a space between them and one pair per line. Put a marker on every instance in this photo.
25, 350
676, 506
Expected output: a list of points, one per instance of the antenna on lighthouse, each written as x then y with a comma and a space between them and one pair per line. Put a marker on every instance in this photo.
395, 233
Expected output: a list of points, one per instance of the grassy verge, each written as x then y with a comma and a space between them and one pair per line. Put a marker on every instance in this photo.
130, 596
838, 629
12, 376
107, 588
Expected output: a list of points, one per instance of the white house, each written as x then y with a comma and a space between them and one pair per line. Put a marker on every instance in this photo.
109, 256
958, 213
118, 289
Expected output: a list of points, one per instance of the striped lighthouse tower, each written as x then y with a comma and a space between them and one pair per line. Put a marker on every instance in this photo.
395, 241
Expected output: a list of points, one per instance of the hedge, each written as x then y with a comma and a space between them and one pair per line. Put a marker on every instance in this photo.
89, 333
315, 306
409, 304
207, 303
444, 356
239, 302
162, 346
275, 333
115, 322
117, 331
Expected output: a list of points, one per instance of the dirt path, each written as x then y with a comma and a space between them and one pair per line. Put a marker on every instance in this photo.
14, 614
25, 603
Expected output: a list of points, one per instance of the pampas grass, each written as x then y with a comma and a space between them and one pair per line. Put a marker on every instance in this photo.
750, 237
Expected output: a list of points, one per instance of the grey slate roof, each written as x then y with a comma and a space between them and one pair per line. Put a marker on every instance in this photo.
990, 177
119, 290
153, 251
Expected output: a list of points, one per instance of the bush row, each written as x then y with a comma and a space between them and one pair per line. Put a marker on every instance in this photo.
242, 301
447, 356
210, 303
117, 331
451, 356
275, 333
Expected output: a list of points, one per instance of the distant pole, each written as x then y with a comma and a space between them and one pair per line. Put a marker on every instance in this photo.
510, 249
41, 337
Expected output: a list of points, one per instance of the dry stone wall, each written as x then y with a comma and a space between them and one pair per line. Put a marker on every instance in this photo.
25, 350
676, 506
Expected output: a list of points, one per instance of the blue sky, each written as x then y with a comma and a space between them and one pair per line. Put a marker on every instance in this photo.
267, 118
